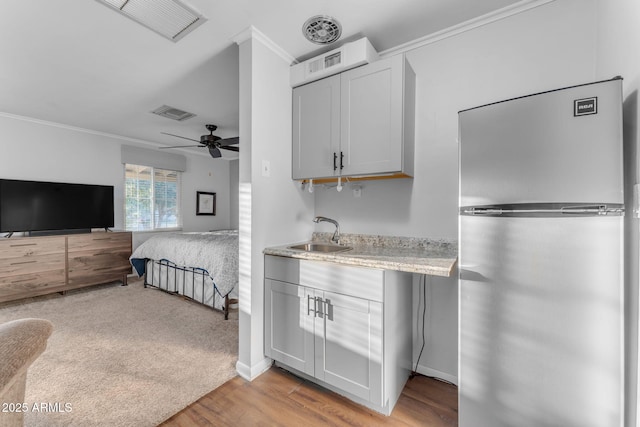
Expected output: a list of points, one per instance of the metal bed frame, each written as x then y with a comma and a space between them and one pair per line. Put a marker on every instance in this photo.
189, 278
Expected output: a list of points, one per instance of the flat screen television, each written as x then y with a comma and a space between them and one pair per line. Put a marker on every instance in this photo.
33, 206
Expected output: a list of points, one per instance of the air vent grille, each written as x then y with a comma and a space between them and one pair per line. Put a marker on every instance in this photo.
322, 29
169, 18
173, 113
332, 60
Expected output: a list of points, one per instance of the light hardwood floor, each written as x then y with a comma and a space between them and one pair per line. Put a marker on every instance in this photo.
278, 398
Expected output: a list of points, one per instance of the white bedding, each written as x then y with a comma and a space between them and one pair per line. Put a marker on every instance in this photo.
214, 251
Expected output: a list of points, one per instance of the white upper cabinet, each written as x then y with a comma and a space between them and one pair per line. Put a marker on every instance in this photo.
357, 123
371, 129
316, 128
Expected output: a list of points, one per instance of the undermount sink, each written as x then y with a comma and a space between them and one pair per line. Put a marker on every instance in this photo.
319, 247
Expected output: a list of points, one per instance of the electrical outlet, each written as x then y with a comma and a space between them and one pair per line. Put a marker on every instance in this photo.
357, 192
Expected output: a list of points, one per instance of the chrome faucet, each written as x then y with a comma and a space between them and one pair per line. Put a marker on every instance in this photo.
336, 235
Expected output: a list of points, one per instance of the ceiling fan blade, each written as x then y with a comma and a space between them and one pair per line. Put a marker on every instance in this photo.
231, 148
178, 136
182, 146
229, 141
215, 153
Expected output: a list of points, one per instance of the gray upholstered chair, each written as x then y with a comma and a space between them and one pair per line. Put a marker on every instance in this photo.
21, 342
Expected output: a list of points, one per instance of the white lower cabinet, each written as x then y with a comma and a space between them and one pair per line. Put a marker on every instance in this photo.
289, 335
346, 328
348, 346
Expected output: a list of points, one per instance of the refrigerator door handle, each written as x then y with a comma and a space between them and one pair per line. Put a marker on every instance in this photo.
584, 210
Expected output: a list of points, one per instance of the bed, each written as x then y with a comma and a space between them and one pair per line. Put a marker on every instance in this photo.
201, 266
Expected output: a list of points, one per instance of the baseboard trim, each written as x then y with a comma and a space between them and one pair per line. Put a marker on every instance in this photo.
430, 372
250, 373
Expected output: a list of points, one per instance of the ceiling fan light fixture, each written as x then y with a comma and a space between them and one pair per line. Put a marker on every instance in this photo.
209, 139
322, 29
169, 18
215, 152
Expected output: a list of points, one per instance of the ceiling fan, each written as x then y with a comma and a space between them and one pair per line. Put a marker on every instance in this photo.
211, 141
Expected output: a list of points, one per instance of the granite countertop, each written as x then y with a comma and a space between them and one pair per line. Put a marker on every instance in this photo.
414, 255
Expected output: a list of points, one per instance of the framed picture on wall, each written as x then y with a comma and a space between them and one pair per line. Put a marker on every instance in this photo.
205, 203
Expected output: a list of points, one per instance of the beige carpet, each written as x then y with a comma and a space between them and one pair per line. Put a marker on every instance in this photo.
124, 356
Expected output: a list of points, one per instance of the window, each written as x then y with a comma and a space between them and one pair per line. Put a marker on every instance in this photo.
152, 198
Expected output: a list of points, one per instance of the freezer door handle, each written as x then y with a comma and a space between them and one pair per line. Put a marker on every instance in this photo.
590, 209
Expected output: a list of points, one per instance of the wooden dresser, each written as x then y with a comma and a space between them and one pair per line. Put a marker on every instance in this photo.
31, 266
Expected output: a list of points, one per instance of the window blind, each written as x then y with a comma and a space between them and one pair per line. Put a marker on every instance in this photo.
152, 198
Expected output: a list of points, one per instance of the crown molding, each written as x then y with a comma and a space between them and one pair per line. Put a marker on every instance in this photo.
505, 12
75, 128
95, 132
253, 33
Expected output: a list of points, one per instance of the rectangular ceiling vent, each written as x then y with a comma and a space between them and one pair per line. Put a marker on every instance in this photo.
169, 18
172, 113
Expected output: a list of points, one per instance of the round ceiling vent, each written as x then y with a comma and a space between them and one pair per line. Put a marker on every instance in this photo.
322, 29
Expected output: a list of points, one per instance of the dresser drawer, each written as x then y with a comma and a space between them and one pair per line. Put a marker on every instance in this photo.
31, 264
99, 241
98, 266
31, 284
89, 261
31, 247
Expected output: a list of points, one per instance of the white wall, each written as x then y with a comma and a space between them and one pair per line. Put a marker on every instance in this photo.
618, 48
207, 174
41, 151
540, 49
234, 190
272, 211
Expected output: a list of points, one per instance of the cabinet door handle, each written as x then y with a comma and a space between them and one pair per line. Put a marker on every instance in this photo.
341, 159
320, 312
335, 159
328, 312
24, 262
309, 309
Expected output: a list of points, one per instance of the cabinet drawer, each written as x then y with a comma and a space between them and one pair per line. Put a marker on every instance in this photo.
361, 282
31, 264
88, 264
31, 284
31, 247
100, 240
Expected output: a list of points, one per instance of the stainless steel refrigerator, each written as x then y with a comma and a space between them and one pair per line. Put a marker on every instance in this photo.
541, 260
